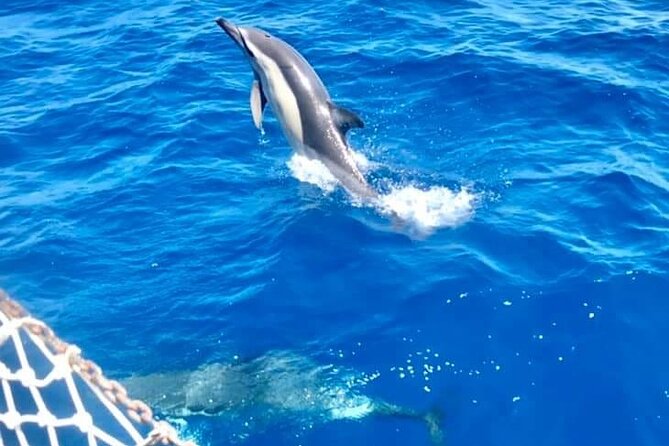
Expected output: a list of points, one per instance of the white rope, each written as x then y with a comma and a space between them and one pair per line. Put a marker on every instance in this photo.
65, 361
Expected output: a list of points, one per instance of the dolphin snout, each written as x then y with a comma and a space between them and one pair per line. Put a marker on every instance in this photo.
229, 28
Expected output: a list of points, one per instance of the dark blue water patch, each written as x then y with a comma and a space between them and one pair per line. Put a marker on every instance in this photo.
634, 42
11, 153
31, 8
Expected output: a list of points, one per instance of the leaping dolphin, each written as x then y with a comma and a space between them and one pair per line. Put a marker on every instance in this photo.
314, 126
277, 386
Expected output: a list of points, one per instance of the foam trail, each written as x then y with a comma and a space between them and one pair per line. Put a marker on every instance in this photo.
364, 164
313, 172
422, 209
430, 209
184, 430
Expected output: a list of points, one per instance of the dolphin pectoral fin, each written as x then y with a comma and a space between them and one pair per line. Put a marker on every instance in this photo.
345, 118
258, 102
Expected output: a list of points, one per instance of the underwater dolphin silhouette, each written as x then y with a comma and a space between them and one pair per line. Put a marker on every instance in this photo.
314, 126
278, 384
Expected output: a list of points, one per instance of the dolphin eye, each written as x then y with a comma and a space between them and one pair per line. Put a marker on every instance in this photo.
267, 35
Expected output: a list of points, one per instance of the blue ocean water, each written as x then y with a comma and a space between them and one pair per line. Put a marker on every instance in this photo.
144, 217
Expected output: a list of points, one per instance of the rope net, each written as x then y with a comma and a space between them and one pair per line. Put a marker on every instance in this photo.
50, 395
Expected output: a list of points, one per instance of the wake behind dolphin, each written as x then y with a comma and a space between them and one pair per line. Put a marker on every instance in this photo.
317, 129
276, 386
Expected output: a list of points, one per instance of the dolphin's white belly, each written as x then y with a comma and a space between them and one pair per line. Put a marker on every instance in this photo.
284, 105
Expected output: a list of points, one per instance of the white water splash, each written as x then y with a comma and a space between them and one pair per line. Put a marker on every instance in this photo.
430, 209
364, 164
422, 209
313, 172
184, 430
355, 407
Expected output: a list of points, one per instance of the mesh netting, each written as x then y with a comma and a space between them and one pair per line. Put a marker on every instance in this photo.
51, 395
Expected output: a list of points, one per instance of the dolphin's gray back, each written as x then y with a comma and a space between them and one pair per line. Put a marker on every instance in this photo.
295, 68
213, 389
165, 392
279, 382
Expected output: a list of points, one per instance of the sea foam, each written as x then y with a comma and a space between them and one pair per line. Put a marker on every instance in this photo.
423, 209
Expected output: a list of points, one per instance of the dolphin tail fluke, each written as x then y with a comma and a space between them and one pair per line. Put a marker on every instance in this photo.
433, 420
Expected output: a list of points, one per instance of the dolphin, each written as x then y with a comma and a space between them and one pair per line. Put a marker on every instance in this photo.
313, 124
277, 386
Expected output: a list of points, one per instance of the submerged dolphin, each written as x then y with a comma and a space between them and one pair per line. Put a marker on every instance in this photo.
279, 385
313, 124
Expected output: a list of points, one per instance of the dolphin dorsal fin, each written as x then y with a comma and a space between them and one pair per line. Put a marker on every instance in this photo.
258, 102
345, 118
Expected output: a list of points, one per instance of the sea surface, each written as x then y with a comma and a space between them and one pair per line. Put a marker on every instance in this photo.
524, 298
